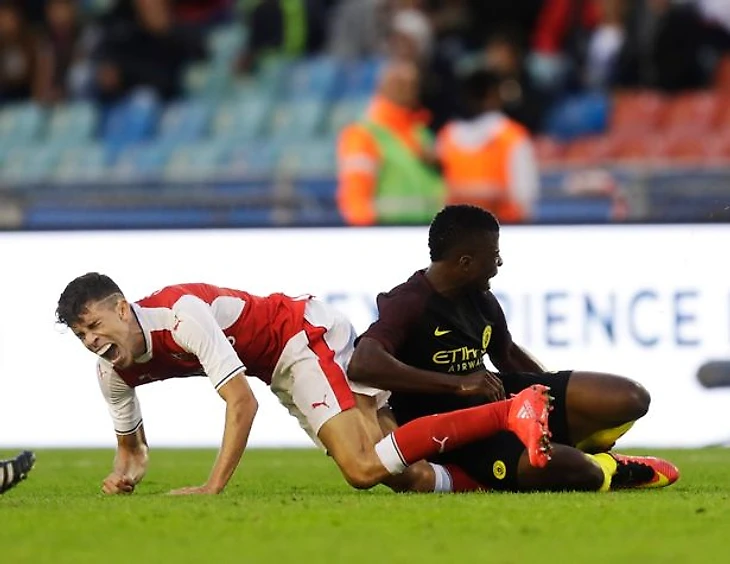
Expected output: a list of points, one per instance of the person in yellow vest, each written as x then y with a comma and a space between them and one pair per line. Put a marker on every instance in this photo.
386, 169
488, 160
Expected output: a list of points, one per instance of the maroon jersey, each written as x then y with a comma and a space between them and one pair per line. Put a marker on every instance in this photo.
424, 329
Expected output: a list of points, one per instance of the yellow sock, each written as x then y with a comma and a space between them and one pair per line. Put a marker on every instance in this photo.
603, 439
607, 463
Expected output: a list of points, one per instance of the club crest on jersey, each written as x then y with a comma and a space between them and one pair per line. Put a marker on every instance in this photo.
486, 336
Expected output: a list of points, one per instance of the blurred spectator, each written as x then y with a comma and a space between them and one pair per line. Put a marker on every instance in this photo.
559, 42
62, 47
202, 13
290, 28
484, 18
488, 160
663, 48
604, 45
385, 171
142, 48
520, 100
358, 29
19, 54
716, 16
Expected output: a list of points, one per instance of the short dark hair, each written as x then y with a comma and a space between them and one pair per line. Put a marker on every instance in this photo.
477, 84
454, 225
91, 287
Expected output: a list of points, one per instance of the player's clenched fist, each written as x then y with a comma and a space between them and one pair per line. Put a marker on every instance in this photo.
482, 383
116, 484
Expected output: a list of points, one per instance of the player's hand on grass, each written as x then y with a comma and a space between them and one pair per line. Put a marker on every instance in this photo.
116, 484
194, 490
482, 383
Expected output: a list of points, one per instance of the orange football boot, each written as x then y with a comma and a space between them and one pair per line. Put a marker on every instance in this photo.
643, 472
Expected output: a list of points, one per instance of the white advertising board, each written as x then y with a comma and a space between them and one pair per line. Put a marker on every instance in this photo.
648, 302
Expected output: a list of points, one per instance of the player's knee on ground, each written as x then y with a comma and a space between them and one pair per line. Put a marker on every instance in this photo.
568, 469
362, 472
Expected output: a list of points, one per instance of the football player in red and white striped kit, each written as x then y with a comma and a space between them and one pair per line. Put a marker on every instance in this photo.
301, 348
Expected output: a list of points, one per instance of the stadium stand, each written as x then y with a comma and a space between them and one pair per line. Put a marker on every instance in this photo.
275, 129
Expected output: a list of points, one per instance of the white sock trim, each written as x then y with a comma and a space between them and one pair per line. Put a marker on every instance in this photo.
389, 455
443, 479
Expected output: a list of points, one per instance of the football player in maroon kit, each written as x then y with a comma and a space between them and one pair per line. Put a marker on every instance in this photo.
435, 329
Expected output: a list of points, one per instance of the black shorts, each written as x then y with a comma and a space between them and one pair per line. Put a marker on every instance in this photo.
493, 462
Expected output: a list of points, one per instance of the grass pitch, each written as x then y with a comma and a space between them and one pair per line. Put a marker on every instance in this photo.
293, 506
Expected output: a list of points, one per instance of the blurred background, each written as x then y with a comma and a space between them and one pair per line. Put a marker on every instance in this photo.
199, 113
118, 117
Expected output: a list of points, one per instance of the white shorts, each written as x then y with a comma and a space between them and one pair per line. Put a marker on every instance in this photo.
310, 377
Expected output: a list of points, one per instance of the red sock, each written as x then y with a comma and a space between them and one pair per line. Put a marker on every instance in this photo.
461, 481
434, 434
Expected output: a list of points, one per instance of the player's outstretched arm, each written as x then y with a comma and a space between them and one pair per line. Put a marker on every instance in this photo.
241, 407
516, 359
373, 365
130, 463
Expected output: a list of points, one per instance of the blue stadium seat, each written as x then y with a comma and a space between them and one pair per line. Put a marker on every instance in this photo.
252, 160
242, 120
21, 124
30, 163
573, 210
345, 112
62, 217
314, 158
299, 120
82, 164
184, 122
579, 115
358, 78
271, 75
74, 123
226, 42
197, 161
208, 80
312, 78
141, 161
318, 217
131, 121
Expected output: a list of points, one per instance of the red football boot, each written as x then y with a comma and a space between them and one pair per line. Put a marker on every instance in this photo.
528, 419
643, 472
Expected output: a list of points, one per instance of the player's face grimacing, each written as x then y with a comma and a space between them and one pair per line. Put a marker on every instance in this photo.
105, 328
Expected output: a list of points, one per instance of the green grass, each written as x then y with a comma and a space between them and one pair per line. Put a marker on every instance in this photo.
286, 506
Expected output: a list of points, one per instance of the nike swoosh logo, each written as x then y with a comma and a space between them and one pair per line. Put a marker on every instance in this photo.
438, 332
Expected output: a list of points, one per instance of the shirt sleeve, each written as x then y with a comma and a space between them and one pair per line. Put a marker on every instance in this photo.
397, 313
198, 333
120, 398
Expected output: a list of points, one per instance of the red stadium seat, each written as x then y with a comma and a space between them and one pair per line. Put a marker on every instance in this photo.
548, 150
590, 150
637, 111
692, 114
638, 149
682, 149
716, 150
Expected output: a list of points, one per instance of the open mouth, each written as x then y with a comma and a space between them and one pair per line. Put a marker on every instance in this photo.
108, 352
